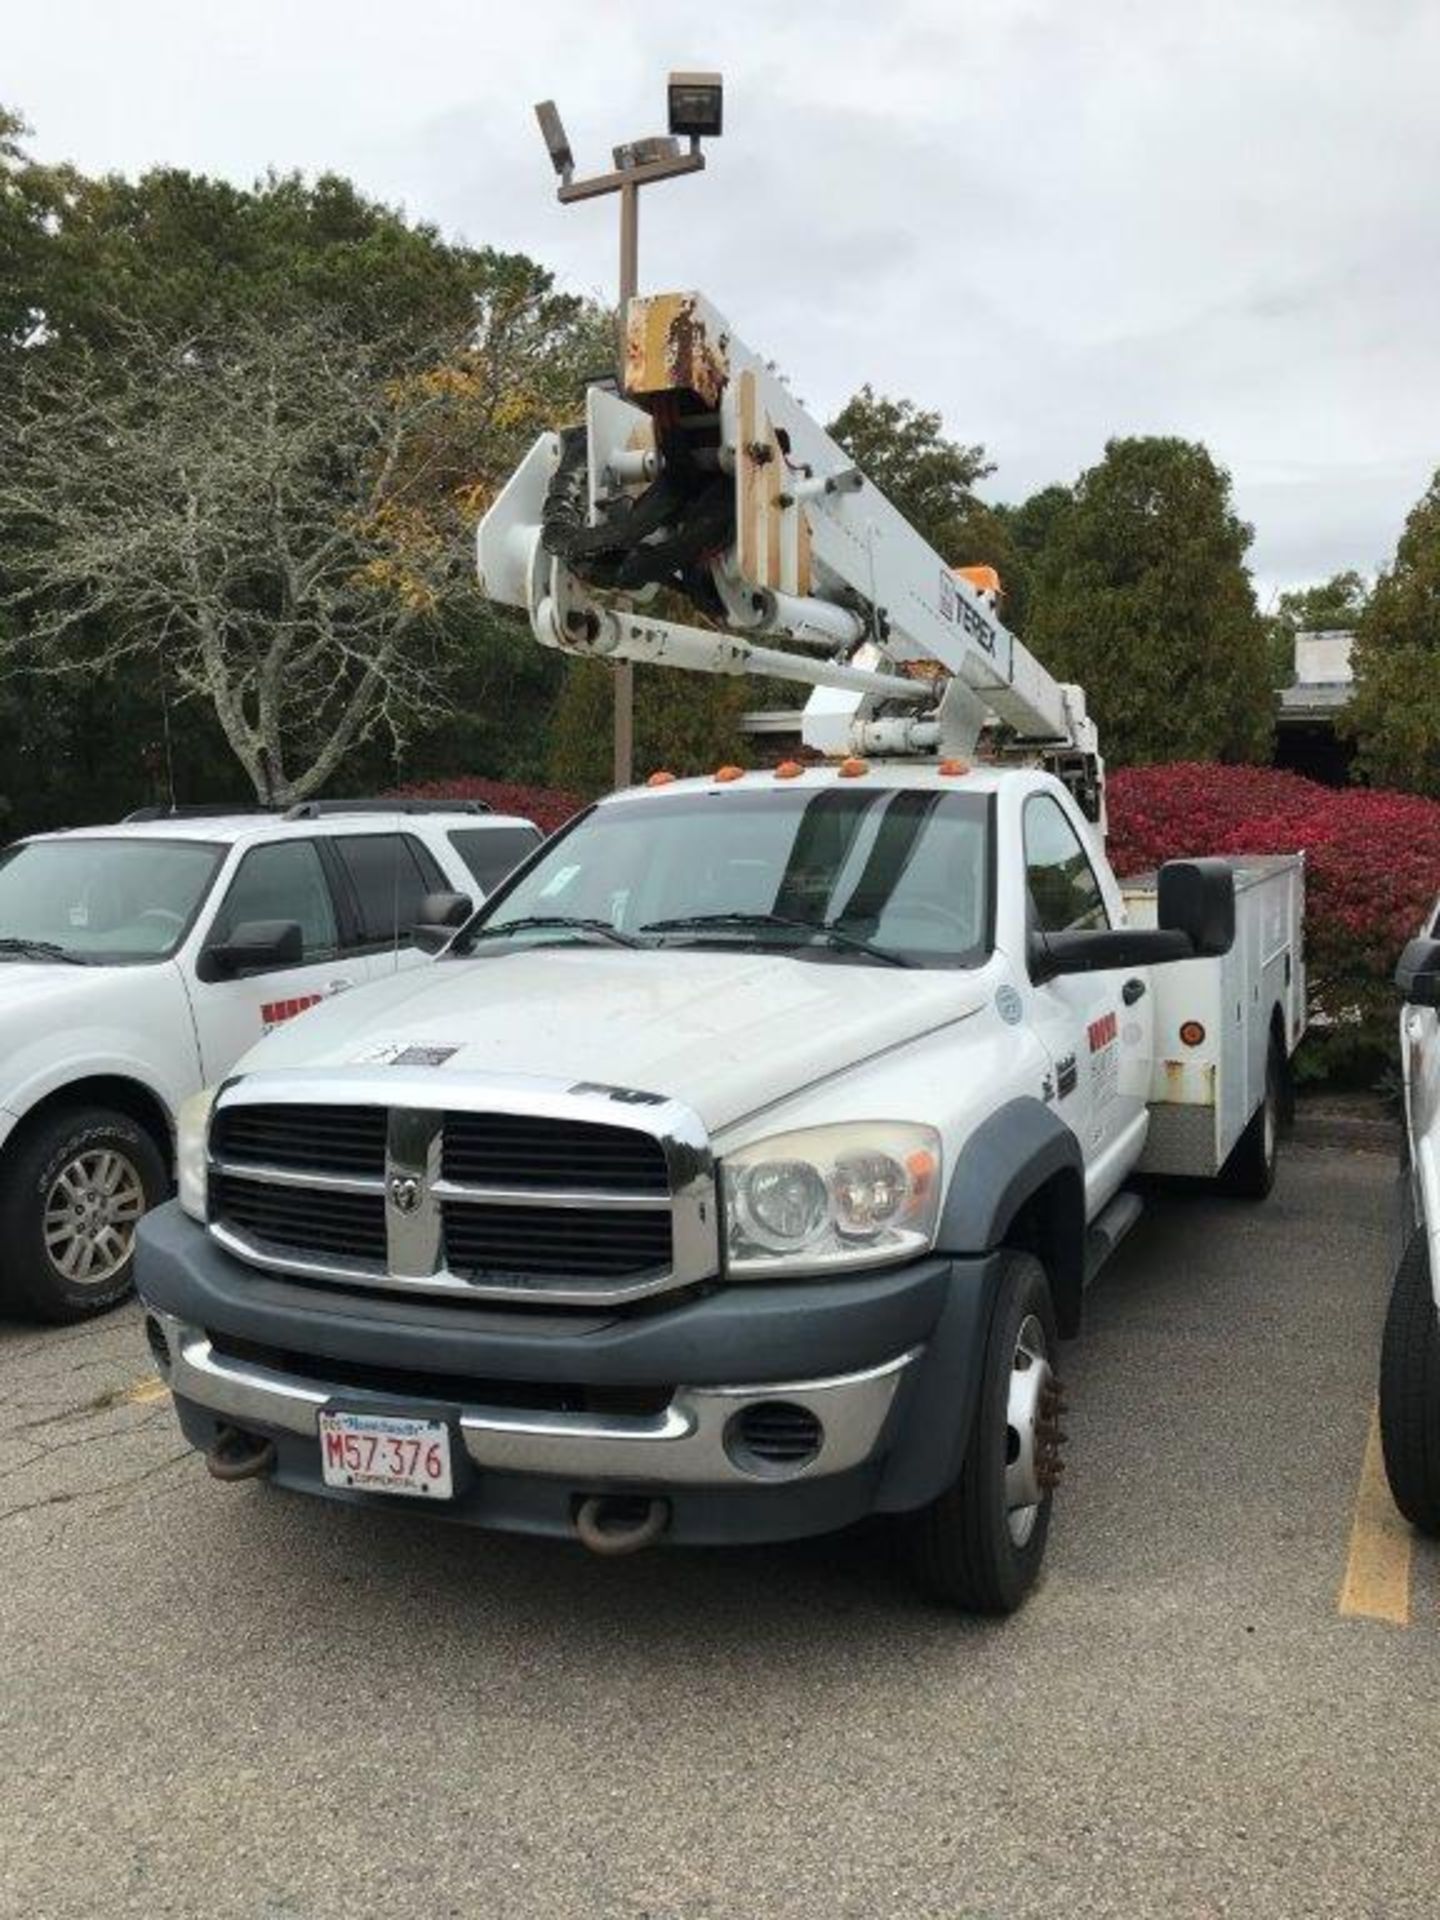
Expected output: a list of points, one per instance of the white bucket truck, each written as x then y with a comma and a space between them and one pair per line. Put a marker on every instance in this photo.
663, 1206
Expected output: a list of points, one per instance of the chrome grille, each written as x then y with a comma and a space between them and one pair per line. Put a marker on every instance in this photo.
351, 1226
473, 1202
306, 1138
505, 1150
557, 1240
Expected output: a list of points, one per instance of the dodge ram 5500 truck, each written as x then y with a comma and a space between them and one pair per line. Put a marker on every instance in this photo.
662, 1205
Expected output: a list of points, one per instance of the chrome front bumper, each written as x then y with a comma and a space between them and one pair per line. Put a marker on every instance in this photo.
683, 1445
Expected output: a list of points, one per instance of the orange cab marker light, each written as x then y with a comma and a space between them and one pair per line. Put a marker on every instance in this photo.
1192, 1034
789, 770
729, 773
852, 769
950, 768
661, 778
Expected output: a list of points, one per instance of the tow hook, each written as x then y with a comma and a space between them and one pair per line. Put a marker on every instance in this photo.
234, 1455
613, 1524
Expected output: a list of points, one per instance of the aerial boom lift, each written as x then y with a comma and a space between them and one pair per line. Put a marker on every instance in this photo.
704, 488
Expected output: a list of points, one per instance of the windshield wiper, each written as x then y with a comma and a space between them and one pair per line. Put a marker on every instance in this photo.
23, 949
561, 923
762, 922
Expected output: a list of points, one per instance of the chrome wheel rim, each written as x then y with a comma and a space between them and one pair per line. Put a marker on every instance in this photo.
90, 1216
1029, 1411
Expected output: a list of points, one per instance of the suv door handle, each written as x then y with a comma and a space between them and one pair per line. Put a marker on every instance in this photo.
1132, 991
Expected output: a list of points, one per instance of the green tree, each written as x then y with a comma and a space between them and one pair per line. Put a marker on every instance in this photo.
684, 723
899, 448
1142, 595
931, 480
1333, 605
1394, 713
107, 288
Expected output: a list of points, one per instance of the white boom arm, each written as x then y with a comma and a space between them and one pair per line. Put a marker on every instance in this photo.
710, 482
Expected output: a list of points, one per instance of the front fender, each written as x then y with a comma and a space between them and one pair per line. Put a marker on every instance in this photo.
1016, 1151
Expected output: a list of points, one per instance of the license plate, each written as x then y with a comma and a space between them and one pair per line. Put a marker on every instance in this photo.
385, 1453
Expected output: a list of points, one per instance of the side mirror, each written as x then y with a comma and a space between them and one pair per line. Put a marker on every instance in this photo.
1418, 974
256, 946
440, 914
1197, 898
1096, 951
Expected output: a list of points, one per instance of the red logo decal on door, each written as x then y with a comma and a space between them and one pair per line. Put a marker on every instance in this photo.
1103, 1032
273, 1012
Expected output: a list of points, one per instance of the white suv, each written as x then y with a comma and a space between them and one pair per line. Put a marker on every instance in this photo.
1410, 1358
139, 961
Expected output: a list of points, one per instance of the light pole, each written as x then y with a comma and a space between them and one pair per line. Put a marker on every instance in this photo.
696, 102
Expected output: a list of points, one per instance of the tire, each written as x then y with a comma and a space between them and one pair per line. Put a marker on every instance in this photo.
1410, 1391
975, 1546
72, 1189
1249, 1173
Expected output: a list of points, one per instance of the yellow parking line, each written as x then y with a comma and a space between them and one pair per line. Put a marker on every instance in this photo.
1377, 1573
142, 1393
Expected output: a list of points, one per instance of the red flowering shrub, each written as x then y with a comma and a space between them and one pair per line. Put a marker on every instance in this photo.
1372, 869
548, 807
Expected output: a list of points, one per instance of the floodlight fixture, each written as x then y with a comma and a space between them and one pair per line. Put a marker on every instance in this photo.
552, 129
697, 105
646, 153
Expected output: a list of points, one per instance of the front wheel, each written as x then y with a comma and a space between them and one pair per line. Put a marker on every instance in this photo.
980, 1543
72, 1192
1410, 1391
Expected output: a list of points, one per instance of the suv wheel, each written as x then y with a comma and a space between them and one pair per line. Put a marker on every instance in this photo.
72, 1192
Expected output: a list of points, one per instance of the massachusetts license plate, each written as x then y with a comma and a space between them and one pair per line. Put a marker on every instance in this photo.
383, 1453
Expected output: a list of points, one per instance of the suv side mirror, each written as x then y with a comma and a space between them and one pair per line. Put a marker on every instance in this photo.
1418, 974
1197, 898
256, 946
440, 914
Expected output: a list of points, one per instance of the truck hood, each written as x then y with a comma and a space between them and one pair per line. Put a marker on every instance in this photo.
726, 1033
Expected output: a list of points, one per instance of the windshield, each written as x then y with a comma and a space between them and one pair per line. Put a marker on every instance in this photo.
101, 901
852, 873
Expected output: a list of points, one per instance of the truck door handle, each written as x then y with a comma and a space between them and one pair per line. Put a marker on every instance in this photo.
1132, 991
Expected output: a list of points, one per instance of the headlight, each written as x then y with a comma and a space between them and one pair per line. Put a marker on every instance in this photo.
191, 1137
827, 1198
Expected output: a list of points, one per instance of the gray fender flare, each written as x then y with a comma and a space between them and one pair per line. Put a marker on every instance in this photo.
1022, 1147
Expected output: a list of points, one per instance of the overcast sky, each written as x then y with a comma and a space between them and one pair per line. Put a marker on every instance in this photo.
1054, 220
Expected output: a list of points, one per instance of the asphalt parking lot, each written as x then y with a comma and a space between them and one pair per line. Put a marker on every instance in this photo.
228, 1702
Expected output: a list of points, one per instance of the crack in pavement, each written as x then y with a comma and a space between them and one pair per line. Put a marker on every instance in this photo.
127, 1484
83, 1440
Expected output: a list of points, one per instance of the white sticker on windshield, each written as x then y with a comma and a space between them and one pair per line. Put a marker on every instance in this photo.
558, 882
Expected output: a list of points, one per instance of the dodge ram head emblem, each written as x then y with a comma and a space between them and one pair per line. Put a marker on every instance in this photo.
405, 1192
